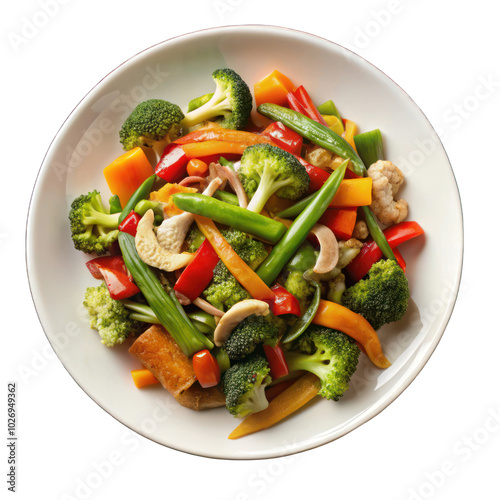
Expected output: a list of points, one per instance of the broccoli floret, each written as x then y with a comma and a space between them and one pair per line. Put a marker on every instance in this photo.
194, 238
252, 251
302, 289
336, 288
329, 354
93, 228
382, 297
244, 385
153, 123
293, 280
230, 105
110, 317
265, 170
224, 290
251, 332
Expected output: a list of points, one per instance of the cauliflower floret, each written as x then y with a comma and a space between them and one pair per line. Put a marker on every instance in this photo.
387, 179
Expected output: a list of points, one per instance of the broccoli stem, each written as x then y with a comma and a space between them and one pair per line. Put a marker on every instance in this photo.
314, 363
214, 107
267, 187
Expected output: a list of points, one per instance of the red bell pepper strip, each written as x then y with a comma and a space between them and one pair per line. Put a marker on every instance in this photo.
129, 224
340, 220
306, 102
206, 368
399, 258
113, 262
198, 273
120, 285
285, 302
294, 103
317, 176
277, 363
112, 269
371, 253
284, 137
172, 164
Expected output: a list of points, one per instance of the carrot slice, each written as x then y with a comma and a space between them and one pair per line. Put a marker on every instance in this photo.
196, 167
127, 173
338, 317
283, 405
143, 377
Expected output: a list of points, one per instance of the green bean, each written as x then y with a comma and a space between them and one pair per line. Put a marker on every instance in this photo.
164, 304
230, 198
230, 215
315, 132
300, 228
305, 320
197, 102
329, 140
141, 193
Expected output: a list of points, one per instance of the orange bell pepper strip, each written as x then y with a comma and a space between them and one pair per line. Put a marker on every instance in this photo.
127, 173
337, 317
143, 377
248, 279
164, 195
273, 88
208, 148
353, 193
280, 407
351, 129
223, 134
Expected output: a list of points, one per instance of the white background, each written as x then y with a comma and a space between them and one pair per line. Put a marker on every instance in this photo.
440, 439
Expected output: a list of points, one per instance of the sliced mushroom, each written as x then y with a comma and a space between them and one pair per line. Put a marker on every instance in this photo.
208, 308
213, 186
328, 249
193, 179
237, 186
236, 315
216, 172
150, 250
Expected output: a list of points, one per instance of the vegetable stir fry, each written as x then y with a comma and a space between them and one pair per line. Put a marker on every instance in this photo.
253, 262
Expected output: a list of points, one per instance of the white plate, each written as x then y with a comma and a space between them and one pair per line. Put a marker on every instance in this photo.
178, 70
